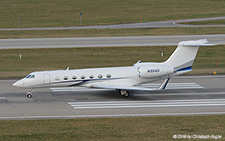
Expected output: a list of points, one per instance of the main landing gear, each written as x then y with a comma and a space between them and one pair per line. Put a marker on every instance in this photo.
124, 93
29, 93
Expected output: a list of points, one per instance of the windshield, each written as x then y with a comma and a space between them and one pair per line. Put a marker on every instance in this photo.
30, 76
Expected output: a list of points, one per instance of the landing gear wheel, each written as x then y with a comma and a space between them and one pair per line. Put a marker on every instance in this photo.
124, 93
29, 95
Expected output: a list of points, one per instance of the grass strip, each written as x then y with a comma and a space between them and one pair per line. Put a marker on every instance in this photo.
209, 59
131, 128
57, 13
211, 22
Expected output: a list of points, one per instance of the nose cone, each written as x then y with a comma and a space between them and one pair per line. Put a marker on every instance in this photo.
18, 84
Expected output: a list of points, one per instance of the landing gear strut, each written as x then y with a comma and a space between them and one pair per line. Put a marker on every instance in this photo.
124, 93
29, 94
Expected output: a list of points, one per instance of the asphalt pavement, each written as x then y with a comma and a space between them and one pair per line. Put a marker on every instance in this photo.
186, 95
122, 41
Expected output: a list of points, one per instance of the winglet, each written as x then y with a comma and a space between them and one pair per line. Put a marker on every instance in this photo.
164, 84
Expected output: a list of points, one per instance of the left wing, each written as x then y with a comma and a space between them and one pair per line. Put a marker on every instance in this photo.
119, 87
126, 87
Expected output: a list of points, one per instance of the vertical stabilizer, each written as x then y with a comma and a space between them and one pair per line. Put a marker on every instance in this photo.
184, 55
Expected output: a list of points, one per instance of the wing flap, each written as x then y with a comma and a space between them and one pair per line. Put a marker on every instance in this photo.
126, 87
133, 88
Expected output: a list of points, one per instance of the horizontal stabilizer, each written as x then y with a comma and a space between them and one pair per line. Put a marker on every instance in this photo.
195, 45
201, 42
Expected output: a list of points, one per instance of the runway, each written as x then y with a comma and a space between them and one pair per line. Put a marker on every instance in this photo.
122, 41
186, 95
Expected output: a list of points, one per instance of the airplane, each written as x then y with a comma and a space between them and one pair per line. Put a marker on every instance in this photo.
122, 79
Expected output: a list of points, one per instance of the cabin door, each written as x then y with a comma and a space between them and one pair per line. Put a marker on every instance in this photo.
46, 79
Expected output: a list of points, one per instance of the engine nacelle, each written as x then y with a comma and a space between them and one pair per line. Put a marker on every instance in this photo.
150, 71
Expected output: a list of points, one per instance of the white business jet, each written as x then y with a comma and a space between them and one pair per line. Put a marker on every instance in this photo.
122, 79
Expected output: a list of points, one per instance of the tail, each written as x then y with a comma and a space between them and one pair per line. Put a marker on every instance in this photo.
184, 55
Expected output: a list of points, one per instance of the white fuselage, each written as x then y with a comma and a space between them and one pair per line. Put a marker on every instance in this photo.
127, 76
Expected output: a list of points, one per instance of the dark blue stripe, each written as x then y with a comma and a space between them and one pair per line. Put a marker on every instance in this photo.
166, 83
185, 69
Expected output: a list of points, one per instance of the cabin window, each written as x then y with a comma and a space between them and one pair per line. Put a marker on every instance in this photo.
65, 78
74, 77
99, 76
82, 77
108, 75
56, 78
32, 76
91, 76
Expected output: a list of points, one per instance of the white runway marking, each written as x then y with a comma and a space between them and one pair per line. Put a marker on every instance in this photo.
151, 86
172, 94
147, 104
175, 86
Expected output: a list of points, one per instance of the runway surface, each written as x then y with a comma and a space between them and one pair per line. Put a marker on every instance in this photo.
186, 95
157, 24
122, 41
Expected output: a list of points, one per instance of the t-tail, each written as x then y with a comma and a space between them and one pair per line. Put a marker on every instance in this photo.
184, 55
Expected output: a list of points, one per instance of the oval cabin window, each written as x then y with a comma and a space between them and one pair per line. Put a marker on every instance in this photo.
99, 76
91, 76
108, 75
65, 78
82, 77
57, 78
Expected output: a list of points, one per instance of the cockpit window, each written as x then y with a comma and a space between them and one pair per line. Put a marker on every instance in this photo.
28, 76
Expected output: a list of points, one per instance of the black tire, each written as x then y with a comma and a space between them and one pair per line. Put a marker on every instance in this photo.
127, 94
29, 95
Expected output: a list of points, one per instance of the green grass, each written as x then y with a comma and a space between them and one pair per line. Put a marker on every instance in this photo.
112, 32
58, 13
211, 22
75, 58
132, 128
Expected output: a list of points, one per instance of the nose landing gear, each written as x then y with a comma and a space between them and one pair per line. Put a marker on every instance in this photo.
29, 94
